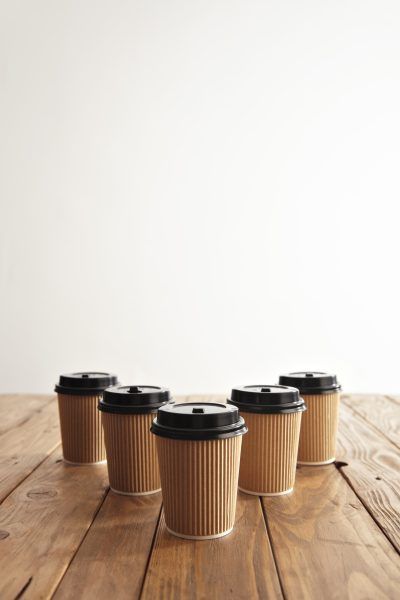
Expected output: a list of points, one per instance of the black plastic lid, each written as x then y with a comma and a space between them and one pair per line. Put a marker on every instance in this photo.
311, 382
85, 383
198, 421
132, 399
267, 399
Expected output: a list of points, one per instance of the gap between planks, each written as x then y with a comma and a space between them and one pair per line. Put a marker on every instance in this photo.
367, 456
273, 550
324, 541
114, 555
45, 519
239, 565
339, 466
153, 541
395, 398
107, 491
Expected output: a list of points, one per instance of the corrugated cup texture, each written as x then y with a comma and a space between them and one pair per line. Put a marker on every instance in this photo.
81, 431
199, 485
131, 453
269, 453
319, 428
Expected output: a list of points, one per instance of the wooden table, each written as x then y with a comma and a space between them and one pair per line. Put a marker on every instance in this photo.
64, 534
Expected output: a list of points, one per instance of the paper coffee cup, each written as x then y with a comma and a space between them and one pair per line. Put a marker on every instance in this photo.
273, 416
198, 448
127, 414
80, 423
321, 393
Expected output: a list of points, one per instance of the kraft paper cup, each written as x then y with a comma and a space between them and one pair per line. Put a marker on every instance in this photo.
321, 392
127, 414
273, 416
199, 448
80, 424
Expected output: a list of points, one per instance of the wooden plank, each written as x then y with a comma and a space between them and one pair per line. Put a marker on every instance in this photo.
112, 559
43, 522
240, 565
24, 448
16, 409
371, 464
325, 543
382, 412
395, 398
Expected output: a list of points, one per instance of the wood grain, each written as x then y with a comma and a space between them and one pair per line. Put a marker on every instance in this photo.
326, 544
382, 412
395, 398
328, 538
112, 560
238, 566
22, 449
372, 467
16, 409
45, 519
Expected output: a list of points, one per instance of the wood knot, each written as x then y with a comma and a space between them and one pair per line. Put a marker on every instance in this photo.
40, 493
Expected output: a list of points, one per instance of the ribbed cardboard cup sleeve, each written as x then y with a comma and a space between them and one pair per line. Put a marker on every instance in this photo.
81, 430
269, 453
199, 485
131, 453
319, 429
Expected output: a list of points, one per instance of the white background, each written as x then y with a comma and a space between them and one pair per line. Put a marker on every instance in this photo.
199, 194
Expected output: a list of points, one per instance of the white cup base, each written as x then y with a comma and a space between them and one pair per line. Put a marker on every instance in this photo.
200, 537
135, 493
316, 464
289, 491
85, 464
